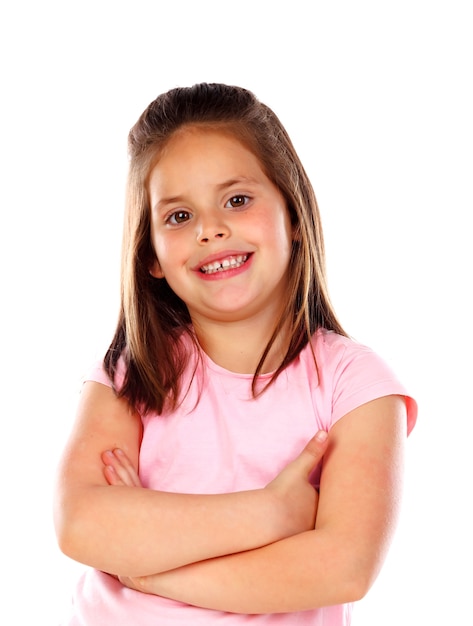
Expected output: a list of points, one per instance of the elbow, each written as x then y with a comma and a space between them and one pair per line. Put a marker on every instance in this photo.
65, 536
356, 589
358, 581
70, 529
66, 540
357, 566
349, 575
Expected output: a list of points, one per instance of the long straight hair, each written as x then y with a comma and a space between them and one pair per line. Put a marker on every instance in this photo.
152, 318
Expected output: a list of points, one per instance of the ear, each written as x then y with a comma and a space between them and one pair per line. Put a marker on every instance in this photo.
155, 269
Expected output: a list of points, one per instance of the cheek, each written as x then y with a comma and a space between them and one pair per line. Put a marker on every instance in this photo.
284, 230
159, 247
170, 252
156, 268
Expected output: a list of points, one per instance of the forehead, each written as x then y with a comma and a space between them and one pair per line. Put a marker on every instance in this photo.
205, 138
203, 154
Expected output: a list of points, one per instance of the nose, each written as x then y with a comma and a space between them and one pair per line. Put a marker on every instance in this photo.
212, 227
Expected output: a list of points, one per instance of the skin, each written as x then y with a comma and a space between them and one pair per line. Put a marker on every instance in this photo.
212, 201
355, 520
280, 548
162, 531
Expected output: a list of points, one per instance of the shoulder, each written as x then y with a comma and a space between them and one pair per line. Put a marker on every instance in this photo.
349, 374
98, 374
333, 351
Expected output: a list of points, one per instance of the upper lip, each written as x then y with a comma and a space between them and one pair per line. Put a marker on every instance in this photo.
220, 256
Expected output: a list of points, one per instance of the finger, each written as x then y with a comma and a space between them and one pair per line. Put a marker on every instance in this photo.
111, 476
128, 466
133, 583
110, 470
318, 444
312, 454
118, 470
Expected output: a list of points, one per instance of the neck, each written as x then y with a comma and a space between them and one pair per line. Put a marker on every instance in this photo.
238, 347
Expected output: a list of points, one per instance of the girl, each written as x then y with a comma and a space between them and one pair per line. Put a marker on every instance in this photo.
192, 483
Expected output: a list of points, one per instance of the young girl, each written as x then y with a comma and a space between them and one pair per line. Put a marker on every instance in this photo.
193, 483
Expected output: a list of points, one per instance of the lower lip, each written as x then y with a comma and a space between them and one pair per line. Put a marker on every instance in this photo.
228, 273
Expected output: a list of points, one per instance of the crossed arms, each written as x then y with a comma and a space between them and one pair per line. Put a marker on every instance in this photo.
248, 552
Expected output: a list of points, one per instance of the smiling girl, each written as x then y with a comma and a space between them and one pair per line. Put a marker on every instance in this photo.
236, 457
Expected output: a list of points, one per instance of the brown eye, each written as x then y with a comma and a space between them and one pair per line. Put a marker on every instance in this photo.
178, 217
236, 202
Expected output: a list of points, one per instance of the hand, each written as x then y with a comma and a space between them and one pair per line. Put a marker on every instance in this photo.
118, 469
139, 583
298, 497
295, 497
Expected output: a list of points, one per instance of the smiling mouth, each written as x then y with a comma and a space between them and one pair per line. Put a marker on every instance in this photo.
230, 263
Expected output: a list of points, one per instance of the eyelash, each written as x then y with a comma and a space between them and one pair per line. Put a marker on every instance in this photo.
171, 218
242, 196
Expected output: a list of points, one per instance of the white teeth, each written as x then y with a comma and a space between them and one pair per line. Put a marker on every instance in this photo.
219, 266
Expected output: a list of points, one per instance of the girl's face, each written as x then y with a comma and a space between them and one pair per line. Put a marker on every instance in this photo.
220, 228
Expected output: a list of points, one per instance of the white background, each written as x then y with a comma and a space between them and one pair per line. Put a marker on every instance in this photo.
377, 97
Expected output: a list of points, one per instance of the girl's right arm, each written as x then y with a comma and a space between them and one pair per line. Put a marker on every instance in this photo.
136, 531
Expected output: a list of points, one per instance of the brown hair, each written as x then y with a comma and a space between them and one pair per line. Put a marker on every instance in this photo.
152, 317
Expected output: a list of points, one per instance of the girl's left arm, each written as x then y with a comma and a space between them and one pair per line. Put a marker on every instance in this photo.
360, 494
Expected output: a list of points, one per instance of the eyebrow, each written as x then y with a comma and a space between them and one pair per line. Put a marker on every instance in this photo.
238, 180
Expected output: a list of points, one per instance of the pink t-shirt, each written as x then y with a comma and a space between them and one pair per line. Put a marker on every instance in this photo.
229, 441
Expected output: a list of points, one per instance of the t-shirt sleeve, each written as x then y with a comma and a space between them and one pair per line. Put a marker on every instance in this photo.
98, 374
358, 375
